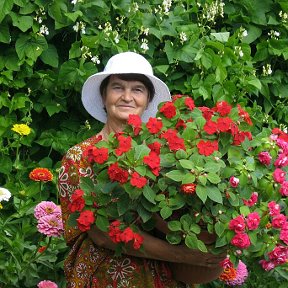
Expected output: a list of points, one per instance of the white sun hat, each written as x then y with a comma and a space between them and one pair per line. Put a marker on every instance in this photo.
122, 63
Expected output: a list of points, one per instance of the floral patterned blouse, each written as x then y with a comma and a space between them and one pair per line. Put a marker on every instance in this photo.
90, 266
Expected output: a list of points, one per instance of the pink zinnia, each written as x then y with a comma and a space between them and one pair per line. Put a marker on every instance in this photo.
50, 225
45, 208
241, 275
47, 284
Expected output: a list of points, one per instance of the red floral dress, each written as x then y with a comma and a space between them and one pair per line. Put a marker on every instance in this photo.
90, 266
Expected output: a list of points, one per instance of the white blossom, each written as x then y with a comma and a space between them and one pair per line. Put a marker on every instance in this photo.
267, 70
144, 45
95, 59
166, 6
183, 37
5, 194
238, 51
44, 30
274, 34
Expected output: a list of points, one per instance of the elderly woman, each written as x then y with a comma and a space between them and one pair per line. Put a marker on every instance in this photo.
126, 86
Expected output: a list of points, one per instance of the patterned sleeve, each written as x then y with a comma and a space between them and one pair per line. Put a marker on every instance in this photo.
73, 167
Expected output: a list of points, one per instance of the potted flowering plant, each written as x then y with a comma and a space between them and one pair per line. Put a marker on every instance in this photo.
198, 169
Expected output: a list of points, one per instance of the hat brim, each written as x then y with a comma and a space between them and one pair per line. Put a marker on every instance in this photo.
92, 100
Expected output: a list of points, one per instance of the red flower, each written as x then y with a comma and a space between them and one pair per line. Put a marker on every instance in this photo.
168, 110
223, 108
176, 144
177, 96
124, 145
153, 161
243, 114
41, 249
224, 124
206, 112
155, 147
241, 240
154, 125
78, 202
210, 127
41, 174
115, 232
127, 235
188, 188
118, 174
169, 134
138, 240
189, 102
240, 136
207, 147
135, 121
97, 155
85, 220
138, 181
180, 123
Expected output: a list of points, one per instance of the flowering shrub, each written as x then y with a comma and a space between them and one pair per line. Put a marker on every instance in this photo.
197, 168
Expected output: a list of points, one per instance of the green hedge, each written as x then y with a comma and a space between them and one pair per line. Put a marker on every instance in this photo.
213, 50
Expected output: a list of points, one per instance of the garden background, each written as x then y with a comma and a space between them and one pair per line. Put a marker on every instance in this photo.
232, 50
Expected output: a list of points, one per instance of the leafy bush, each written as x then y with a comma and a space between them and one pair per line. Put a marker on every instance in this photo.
214, 50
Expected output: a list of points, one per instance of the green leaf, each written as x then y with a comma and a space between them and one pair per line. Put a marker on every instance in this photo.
166, 212
214, 194
167, 160
188, 178
174, 225
221, 36
244, 210
149, 194
201, 192
5, 8
187, 164
50, 56
255, 82
5, 164
22, 22
5, 34
213, 178
174, 239
72, 219
219, 228
87, 185
141, 151
102, 222
191, 241
175, 175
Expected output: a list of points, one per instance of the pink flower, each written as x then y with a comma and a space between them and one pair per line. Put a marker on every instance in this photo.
237, 224
274, 208
241, 275
241, 240
282, 144
284, 188
267, 265
253, 220
252, 201
45, 208
47, 284
278, 221
284, 235
264, 158
279, 175
234, 181
279, 255
282, 160
50, 225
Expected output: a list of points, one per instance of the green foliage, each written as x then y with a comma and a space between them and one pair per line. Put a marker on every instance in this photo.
48, 48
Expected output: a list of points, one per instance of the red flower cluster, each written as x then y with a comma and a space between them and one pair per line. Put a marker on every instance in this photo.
118, 174
154, 125
124, 144
207, 147
168, 110
85, 220
175, 143
153, 161
41, 174
126, 235
138, 181
77, 201
94, 154
135, 121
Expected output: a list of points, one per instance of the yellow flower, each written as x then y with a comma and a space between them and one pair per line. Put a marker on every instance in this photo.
21, 129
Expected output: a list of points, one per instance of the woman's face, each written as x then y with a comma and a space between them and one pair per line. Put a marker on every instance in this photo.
123, 98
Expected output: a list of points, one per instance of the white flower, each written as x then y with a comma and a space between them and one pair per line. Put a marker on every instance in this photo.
183, 37
44, 30
95, 59
74, 2
244, 33
144, 45
4, 194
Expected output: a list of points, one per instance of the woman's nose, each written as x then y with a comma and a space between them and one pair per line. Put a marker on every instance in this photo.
127, 95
